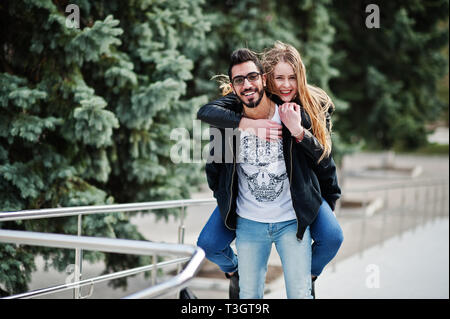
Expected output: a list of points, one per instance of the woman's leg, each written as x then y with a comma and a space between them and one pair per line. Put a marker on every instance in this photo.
296, 259
253, 245
215, 239
327, 236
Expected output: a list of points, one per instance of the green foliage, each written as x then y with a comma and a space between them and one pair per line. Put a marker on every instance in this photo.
429, 149
389, 75
257, 25
86, 115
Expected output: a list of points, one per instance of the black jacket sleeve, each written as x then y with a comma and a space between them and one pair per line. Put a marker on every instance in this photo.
325, 170
213, 167
329, 187
225, 112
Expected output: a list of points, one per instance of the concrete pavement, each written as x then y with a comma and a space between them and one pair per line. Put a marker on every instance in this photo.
413, 266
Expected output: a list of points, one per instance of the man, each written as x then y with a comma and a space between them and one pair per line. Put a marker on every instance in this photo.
254, 191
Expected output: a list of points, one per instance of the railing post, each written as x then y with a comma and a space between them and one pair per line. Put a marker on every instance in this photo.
402, 210
416, 208
435, 202
444, 199
78, 261
181, 230
363, 226
426, 205
383, 221
155, 269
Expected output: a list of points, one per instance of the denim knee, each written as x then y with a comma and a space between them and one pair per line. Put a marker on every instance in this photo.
336, 237
206, 244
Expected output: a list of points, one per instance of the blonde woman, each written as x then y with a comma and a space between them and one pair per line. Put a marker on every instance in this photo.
304, 111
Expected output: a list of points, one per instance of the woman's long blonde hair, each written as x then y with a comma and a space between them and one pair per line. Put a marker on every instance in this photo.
313, 99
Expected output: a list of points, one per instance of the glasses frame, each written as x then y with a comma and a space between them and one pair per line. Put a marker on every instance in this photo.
245, 77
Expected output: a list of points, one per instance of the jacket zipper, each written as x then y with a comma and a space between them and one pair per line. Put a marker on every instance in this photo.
231, 188
290, 186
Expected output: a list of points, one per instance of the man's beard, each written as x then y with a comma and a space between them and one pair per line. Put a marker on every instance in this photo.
254, 103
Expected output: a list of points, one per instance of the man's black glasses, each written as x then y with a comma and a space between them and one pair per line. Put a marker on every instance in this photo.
240, 79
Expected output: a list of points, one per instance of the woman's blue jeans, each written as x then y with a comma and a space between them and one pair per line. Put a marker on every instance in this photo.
215, 240
254, 242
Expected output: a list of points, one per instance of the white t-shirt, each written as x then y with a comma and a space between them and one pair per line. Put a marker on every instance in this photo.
264, 194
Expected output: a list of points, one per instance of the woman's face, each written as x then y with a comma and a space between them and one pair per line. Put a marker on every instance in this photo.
285, 81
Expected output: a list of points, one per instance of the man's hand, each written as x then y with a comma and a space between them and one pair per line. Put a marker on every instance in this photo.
290, 116
265, 129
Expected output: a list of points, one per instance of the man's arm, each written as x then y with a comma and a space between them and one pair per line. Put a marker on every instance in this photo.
223, 113
226, 112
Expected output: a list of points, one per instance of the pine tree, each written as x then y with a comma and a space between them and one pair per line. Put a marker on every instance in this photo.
389, 74
257, 25
86, 115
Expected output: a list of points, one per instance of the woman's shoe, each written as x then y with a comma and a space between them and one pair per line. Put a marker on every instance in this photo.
233, 290
313, 290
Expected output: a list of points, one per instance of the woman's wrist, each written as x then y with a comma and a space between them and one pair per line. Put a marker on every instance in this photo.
299, 134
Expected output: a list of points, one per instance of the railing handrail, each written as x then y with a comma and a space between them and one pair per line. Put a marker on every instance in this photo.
408, 184
99, 209
129, 207
114, 245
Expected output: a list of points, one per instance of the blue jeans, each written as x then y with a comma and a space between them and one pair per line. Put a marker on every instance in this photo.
215, 240
327, 236
254, 242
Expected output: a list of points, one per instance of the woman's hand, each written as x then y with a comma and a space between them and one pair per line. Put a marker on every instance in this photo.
290, 116
265, 129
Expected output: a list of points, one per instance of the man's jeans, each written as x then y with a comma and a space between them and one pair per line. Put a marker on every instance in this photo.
215, 240
254, 242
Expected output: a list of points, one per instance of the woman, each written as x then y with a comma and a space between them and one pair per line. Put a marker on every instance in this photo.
287, 85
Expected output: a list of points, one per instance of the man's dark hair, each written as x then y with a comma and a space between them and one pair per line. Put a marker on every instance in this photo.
244, 55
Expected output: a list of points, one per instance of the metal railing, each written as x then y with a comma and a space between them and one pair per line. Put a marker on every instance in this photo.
110, 245
124, 246
403, 206
400, 201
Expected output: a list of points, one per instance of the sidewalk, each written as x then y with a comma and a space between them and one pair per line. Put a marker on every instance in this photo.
414, 266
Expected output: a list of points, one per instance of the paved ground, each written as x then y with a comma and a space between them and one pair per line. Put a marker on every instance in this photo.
415, 265
402, 264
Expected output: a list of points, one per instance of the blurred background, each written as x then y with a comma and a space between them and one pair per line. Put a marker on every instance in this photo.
90, 93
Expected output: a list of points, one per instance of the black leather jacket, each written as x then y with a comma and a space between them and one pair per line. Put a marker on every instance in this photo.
309, 180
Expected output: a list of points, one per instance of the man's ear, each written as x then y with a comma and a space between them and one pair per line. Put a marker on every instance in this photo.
232, 87
264, 78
